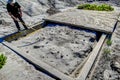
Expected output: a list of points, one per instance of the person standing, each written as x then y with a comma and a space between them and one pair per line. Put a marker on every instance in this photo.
14, 10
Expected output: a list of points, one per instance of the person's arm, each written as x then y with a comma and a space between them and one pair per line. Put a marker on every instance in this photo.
19, 8
20, 11
13, 16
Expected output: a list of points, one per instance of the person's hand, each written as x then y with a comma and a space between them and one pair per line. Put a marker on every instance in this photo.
16, 19
20, 14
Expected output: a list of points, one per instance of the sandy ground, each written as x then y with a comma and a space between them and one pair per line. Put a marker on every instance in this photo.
18, 69
59, 46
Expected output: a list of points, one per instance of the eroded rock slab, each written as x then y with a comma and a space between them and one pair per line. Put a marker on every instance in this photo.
18, 69
109, 65
94, 20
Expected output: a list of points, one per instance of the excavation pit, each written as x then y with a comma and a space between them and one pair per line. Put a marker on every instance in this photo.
62, 47
57, 48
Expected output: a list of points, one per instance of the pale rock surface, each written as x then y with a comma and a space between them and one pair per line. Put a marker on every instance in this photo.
110, 75
30, 15
109, 67
18, 69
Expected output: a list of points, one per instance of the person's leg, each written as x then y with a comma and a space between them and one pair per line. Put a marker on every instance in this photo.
17, 25
23, 23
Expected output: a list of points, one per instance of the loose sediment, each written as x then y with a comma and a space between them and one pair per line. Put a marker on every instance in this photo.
61, 47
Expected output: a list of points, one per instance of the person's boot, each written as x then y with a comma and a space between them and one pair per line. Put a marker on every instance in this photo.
25, 27
19, 30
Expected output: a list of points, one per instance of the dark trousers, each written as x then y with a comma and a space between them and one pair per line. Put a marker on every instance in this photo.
21, 20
